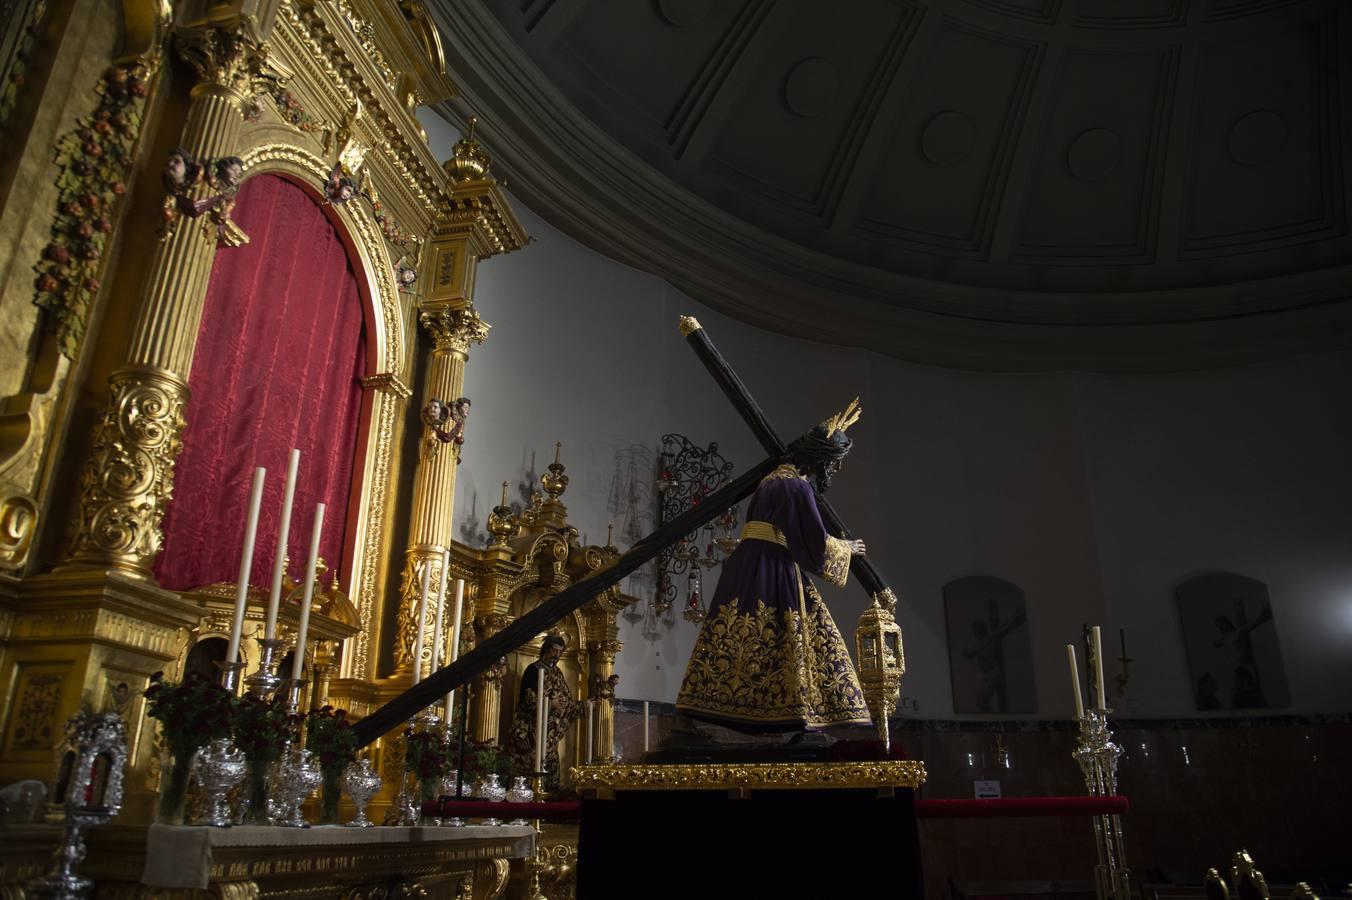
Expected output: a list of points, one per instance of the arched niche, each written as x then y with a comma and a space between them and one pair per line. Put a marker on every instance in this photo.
990, 656
1230, 635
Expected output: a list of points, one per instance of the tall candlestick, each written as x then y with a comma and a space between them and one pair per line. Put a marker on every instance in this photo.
645, 726
591, 725
246, 565
1075, 681
307, 596
453, 652
419, 621
440, 616
283, 533
540, 721
1098, 667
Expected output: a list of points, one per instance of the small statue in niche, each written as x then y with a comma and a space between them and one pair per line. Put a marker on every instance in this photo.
341, 186
446, 424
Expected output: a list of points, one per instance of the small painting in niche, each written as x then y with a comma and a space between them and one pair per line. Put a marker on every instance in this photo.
990, 656
1234, 659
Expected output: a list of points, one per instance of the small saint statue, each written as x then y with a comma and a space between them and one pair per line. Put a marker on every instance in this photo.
562, 708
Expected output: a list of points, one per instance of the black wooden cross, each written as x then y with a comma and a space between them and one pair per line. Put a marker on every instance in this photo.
865, 573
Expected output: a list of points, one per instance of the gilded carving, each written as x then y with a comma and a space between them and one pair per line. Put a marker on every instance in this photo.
95, 161
410, 589
18, 521
231, 58
129, 478
721, 776
389, 383
365, 33
455, 329
35, 715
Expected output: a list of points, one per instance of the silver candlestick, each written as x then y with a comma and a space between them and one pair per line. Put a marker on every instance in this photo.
265, 681
1098, 756
230, 674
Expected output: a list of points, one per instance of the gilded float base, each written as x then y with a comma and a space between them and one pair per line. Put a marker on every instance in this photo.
884, 774
84, 637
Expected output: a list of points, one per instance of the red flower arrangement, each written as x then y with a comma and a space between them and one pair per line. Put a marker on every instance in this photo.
329, 736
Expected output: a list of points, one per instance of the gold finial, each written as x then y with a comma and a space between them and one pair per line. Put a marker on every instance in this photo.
843, 420
554, 481
469, 161
689, 325
504, 493
610, 535
503, 524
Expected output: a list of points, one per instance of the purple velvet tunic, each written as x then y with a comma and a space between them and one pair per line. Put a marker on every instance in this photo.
769, 657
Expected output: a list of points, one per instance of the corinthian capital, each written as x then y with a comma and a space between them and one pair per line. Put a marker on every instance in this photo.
229, 57
454, 329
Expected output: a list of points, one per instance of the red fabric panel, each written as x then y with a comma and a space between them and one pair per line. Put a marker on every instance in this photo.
280, 356
1010, 807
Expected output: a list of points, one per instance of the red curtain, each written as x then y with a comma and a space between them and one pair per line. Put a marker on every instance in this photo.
280, 356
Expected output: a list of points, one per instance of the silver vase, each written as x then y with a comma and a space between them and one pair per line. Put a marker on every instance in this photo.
362, 782
220, 766
491, 789
448, 790
297, 779
520, 792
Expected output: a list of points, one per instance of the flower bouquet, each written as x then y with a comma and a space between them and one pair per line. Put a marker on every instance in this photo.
329, 736
262, 729
192, 714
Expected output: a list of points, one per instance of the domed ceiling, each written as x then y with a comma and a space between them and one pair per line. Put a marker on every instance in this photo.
1135, 184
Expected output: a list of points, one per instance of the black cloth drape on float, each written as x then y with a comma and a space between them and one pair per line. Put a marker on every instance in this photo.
793, 843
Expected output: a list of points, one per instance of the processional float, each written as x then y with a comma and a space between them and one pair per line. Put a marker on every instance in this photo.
878, 640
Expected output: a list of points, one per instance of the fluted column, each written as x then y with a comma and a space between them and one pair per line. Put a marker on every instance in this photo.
486, 704
603, 665
128, 479
452, 331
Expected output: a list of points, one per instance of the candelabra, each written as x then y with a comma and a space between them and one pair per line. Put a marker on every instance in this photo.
687, 475
1098, 756
266, 681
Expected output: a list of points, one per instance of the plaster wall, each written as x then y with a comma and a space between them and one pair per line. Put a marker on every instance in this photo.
1096, 494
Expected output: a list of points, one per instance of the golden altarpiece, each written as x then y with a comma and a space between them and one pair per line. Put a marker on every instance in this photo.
104, 273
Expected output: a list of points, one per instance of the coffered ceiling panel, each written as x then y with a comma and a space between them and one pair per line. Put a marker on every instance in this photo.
793, 128
978, 182
1095, 190
941, 182
1265, 162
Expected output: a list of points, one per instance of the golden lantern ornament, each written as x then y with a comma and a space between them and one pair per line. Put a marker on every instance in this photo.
877, 645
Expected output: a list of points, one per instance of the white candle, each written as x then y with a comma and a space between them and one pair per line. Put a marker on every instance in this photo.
453, 652
303, 630
1098, 668
419, 620
645, 726
591, 724
246, 565
283, 533
540, 722
1075, 681
438, 618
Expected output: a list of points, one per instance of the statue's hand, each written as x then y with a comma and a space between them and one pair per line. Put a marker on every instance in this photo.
857, 548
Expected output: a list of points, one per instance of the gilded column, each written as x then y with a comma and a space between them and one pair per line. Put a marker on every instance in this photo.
603, 655
486, 705
128, 480
452, 331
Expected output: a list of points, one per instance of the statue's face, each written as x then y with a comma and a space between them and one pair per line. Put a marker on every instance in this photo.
462, 410
176, 167
552, 653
